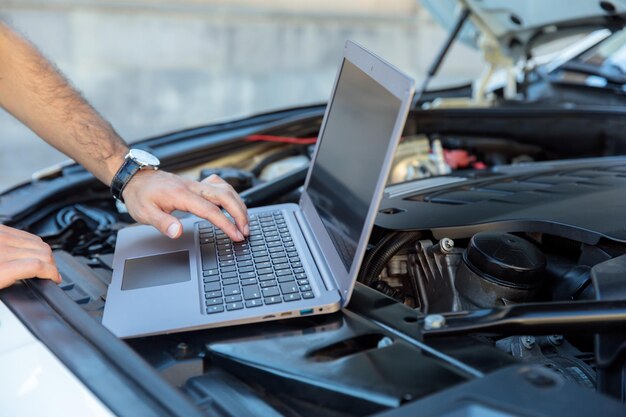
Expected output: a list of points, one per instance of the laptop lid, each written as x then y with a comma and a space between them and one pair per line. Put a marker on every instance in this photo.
357, 141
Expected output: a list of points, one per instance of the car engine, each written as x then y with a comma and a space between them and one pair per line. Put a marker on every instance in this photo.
485, 255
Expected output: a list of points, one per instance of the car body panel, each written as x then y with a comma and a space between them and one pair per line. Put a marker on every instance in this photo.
34, 382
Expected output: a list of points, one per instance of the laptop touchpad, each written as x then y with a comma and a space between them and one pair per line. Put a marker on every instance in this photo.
156, 270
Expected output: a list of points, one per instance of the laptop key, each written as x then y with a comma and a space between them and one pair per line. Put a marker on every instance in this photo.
303, 282
283, 272
251, 291
212, 286
245, 275
214, 301
274, 244
232, 298
279, 260
229, 262
275, 250
245, 269
267, 284
270, 292
265, 271
301, 275
272, 300
213, 294
244, 263
281, 266
298, 270
260, 259
288, 287
254, 303
248, 281
230, 281
234, 306
266, 277
229, 269
211, 278
241, 258
232, 289
229, 275
209, 257
285, 278
204, 225
227, 257
308, 294
291, 297
305, 288
218, 308
210, 272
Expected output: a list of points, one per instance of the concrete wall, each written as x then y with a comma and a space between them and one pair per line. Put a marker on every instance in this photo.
154, 66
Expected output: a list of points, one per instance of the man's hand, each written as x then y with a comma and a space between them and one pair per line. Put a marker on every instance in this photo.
23, 255
151, 196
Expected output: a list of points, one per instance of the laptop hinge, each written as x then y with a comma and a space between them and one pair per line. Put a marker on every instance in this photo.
316, 252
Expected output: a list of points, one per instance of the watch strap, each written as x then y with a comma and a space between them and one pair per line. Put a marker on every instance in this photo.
128, 169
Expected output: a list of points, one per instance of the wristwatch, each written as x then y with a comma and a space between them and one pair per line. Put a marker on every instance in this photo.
135, 160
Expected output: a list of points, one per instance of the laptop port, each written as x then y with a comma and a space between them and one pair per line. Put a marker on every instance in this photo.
306, 312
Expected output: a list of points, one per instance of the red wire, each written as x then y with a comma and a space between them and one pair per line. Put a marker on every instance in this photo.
280, 139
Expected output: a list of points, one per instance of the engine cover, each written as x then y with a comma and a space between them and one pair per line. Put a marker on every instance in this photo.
581, 199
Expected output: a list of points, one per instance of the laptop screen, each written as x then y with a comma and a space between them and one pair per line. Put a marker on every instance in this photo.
351, 155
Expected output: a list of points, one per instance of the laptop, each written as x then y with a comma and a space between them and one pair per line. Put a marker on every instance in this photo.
300, 259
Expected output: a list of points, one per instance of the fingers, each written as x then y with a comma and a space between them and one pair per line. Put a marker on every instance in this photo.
207, 210
152, 195
21, 240
167, 224
23, 255
27, 268
220, 193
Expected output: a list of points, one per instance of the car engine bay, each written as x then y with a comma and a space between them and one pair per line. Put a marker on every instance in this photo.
485, 255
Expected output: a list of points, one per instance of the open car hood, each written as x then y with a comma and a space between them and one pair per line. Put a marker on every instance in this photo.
518, 26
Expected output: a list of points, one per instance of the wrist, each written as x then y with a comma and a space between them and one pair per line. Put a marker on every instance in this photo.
134, 161
114, 163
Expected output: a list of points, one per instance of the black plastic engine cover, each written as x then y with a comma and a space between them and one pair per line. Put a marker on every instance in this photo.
581, 200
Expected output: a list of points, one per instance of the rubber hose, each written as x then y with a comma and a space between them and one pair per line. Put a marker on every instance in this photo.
384, 241
378, 263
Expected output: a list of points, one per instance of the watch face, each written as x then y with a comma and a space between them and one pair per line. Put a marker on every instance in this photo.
143, 157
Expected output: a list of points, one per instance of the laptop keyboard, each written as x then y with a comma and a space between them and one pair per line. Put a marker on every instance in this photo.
262, 270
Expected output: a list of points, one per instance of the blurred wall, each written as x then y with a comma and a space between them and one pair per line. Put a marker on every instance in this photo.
154, 66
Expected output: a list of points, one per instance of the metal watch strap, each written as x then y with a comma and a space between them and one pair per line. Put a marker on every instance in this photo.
128, 169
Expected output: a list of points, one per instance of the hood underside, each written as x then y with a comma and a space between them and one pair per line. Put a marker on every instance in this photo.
518, 26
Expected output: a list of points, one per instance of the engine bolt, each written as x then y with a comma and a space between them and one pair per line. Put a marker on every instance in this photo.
434, 321
528, 342
446, 244
556, 339
182, 348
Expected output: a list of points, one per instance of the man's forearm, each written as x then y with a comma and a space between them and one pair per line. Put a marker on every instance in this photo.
33, 91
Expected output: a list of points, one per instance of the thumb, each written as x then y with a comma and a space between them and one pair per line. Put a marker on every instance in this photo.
167, 224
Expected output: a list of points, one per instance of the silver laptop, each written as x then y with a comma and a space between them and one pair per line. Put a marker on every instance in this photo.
299, 259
